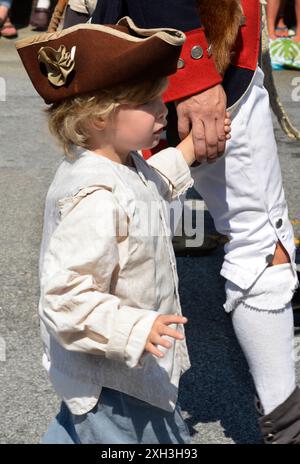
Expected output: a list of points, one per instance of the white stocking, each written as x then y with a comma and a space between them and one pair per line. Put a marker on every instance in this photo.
266, 339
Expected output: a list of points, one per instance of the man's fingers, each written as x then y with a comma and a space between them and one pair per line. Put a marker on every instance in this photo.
199, 140
211, 137
183, 124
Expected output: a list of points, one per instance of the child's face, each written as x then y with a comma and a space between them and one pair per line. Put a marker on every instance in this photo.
139, 126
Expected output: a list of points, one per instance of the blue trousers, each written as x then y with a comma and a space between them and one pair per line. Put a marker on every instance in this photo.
118, 418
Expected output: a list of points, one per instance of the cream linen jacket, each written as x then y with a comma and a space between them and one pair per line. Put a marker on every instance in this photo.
104, 278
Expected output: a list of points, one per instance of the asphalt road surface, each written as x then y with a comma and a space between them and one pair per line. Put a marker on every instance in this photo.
217, 392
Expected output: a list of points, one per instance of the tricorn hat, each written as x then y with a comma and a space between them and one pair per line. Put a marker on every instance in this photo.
90, 57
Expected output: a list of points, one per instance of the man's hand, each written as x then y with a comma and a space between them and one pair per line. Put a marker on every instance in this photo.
204, 114
160, 328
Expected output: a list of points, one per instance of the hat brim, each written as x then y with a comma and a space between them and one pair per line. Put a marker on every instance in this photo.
101, 56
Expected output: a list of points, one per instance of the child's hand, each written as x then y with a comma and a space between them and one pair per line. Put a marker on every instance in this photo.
227, 126
186, 146
160, 328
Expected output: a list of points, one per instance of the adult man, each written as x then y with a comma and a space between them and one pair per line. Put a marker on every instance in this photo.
243, 189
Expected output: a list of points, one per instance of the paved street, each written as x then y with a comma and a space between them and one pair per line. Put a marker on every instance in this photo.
217, 392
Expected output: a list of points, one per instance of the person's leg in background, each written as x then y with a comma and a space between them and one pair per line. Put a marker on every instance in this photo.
40, 15
43, 4
5, 6
7, 29
296, 38
276, 26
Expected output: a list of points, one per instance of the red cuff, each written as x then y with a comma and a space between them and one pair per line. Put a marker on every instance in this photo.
197, 74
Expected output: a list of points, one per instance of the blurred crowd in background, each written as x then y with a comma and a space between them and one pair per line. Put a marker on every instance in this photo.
15, 14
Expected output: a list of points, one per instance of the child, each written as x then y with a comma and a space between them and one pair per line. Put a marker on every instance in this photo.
110, 313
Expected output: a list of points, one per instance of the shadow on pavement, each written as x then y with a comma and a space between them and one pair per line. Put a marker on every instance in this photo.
218, 387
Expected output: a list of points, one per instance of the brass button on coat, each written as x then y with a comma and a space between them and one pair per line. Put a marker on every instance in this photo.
197, 52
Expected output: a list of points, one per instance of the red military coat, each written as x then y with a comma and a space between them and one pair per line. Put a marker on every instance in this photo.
199, 74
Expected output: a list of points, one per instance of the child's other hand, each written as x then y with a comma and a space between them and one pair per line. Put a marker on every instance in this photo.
160, 328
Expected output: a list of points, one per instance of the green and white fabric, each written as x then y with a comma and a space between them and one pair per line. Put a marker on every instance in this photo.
284, 53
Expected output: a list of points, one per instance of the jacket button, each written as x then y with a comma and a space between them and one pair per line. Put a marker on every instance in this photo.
269, 259
180, 63
197, 52
278, 223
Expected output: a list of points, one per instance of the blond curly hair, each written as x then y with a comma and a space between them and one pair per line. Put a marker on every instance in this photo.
70, 120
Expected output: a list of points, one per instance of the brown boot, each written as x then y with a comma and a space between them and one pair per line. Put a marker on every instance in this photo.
282, 425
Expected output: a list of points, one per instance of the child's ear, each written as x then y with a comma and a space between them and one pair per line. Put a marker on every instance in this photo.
99, 124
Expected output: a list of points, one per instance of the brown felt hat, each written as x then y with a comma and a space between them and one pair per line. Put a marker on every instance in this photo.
89, 57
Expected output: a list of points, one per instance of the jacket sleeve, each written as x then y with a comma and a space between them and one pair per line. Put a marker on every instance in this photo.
195, 74
77, 273
173, 171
